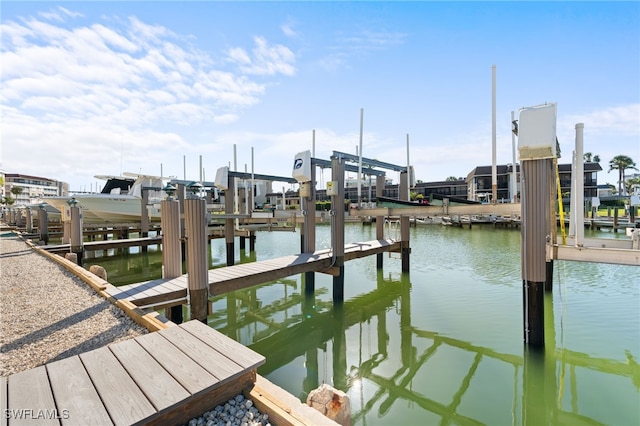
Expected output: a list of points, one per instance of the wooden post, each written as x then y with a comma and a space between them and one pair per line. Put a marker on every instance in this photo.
171, 249
144, 216
180, 193
29, 224
535, 228
404, 224
537, 148
229, 233
308, 229
195, 210
76, 233
43, 225
379, 221
337, 228
252, 241
615, 219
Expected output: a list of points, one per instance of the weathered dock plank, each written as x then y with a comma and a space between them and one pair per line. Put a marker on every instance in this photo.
155, 382
3, 400
30, 399
80, 401
122, 398
218, 365
242, 355
187, 372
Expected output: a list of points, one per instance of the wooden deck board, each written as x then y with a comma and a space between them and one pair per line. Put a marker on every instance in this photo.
189, 374
3, 400
221, 367
30, 396
81, 400
242, 355
166, 377
122, 398
155, 382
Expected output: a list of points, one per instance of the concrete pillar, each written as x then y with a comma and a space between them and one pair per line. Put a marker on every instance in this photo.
195, 210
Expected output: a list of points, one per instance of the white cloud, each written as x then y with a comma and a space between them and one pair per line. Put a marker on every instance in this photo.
359, 43
73, 93
264, 59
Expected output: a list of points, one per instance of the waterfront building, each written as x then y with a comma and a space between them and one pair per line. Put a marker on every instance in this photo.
34, 188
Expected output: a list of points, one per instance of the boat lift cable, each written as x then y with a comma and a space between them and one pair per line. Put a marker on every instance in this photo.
560, 207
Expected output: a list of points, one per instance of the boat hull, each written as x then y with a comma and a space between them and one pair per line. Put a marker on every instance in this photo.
107, 208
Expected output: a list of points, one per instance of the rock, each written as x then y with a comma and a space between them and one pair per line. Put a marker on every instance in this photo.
98, 271
334, 404
73, 257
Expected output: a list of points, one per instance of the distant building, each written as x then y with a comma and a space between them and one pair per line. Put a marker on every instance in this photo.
34, 188
479, 181
476, 186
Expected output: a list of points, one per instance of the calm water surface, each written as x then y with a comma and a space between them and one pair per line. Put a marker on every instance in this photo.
442, 344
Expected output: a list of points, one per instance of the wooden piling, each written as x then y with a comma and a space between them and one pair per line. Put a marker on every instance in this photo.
379, 221
535, 228
43, 225
29, 220
171, 250
229, 226
404, 224
308, 229
195, 210
537, 148
144, 216
76, 241
337, 228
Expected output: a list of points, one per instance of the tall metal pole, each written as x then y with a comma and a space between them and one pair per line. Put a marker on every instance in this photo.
579, 180
408, 172
494, 167
360, 158
514, 181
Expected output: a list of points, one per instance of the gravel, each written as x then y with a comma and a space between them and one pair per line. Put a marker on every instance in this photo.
48, 314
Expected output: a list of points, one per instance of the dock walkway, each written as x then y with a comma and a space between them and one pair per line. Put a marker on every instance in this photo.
166, 377
173, 291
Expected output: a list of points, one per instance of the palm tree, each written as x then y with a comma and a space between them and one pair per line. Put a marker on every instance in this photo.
590, 158
621, 163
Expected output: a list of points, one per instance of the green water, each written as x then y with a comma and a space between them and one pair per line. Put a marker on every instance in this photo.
442, 344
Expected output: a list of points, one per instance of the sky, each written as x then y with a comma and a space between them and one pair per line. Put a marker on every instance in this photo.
101, 88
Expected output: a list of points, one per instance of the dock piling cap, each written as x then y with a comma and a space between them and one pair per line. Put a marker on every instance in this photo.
537, 132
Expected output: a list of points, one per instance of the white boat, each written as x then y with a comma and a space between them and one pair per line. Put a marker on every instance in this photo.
120, 200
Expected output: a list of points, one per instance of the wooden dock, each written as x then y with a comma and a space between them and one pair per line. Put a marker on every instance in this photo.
225, 279
106, 245
165, 377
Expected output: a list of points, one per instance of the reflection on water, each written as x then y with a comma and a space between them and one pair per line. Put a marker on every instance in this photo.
443, 343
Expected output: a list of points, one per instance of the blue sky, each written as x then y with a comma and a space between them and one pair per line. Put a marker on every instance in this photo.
100, 88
